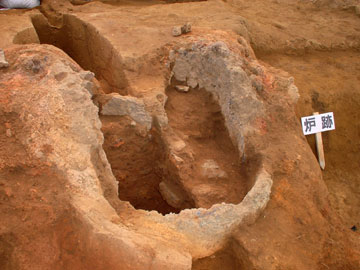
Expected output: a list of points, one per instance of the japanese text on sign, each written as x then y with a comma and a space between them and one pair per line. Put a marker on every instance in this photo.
318, 123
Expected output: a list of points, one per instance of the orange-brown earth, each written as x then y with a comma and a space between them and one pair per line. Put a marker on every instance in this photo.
316, 42
329, 82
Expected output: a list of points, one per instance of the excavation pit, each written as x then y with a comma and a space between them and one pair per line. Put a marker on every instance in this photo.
91, 233
195, 165
150, 164
192, 163
214, 173
138, 161
83, 43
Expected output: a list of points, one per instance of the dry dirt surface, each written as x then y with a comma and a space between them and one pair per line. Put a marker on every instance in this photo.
124, 147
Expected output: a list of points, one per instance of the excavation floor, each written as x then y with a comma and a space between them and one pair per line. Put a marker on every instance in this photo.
215, 175
329, 82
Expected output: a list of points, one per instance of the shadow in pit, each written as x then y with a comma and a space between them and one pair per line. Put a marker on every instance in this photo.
83, 43
217, 174
138, 158
139, 163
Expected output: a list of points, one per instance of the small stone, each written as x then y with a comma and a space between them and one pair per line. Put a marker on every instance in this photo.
182, 51
211, 169
172, 55
133, 123
9, 192
176, 31
127, 106
87, 75
60, 76
293, 92
34, 65
279, 25
8, 132
256, 83
3, 62
161, 121
170, 195
182, 88
241, 41
220, 48
161, 98
178, 145
192, 83
177, 159
179, 30
89, 87
170, 78
186, 28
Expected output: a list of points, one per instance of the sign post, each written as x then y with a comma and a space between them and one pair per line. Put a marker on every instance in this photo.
316, 124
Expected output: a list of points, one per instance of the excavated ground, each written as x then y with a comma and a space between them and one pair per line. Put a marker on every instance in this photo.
329, 81
138, 158
138, 162
91, 51
198, 120
317, 44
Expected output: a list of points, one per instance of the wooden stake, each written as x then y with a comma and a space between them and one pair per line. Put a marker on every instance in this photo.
320, 148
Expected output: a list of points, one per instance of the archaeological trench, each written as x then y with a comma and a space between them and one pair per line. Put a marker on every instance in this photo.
123, 146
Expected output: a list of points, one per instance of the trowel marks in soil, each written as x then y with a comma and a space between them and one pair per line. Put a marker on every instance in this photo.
82, 42
216, 175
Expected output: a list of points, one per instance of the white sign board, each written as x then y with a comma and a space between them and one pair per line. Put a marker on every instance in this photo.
318, 123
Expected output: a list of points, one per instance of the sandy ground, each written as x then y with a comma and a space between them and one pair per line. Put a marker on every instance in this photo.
329, 81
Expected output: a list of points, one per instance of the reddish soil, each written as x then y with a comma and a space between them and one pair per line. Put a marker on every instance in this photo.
329, 82
328, 79
137, 161
140, 162
197, 119
30, 192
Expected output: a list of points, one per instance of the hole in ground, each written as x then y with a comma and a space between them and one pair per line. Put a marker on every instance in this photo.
83, 43
213, 177
216, 175
139, 163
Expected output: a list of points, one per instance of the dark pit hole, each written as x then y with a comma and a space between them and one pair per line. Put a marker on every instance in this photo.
138, 158
139, 162
196, 116
83, 43
143, 165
